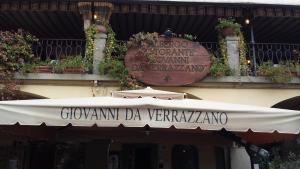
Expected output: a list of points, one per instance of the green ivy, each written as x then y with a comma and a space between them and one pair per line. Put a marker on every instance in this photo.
112, 66
219, 68
110, 43
228, 23
89, 46
115, 68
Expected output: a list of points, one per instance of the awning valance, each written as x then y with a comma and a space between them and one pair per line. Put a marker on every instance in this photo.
157, 113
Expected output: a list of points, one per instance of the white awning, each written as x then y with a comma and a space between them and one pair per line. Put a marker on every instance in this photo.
157, 113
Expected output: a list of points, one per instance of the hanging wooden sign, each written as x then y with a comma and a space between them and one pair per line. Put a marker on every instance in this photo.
168, 62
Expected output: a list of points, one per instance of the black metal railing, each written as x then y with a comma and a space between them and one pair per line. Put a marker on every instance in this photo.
277, 53
257, 53
212, 48
53, 49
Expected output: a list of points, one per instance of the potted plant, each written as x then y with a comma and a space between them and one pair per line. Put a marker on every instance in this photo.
265, 69
57, 66
228, 27
42, 67
74, 65
295, 68
219, 68
278, 73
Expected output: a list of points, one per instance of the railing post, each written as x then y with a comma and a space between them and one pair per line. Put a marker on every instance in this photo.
253, 56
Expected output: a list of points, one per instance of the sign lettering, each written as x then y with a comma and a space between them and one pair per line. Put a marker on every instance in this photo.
146, 114
169, 62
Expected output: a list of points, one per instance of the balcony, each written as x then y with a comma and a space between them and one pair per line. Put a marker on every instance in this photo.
257, 55
60, 27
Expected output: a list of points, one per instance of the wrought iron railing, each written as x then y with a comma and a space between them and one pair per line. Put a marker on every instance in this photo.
53, 49
212, 48
257, 53
276, 53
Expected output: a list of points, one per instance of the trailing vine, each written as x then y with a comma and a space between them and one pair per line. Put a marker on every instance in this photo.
110, 43
223, 50
218, 68
89, 45
242, 52
224, 25
114, 67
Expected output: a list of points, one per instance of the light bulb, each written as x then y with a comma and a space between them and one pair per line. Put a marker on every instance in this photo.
247, 21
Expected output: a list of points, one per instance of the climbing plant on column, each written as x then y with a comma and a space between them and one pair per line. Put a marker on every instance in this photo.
112, 64
228, 27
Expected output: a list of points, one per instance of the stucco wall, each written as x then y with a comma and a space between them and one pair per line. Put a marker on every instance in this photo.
259, 97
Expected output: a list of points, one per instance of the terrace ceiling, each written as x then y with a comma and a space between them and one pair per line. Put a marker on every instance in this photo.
61, 20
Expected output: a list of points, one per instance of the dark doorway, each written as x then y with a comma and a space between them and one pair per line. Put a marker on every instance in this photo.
222, 158
42, 155
184, 157
143, 158
137, 156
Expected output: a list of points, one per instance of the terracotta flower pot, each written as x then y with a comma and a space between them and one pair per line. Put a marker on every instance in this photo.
101, 29
74, 70
42, 69
228, 32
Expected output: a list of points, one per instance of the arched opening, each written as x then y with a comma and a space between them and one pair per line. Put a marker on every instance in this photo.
291, 104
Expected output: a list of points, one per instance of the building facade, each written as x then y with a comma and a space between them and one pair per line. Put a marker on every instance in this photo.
271, 32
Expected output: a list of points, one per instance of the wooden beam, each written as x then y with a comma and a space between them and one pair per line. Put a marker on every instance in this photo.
277, 12
39, 6
179, 10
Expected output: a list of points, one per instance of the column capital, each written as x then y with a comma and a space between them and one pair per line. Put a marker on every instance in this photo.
85, 9
103, 11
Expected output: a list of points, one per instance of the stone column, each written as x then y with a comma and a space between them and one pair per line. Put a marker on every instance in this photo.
232, 44
99, 41
100, 15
